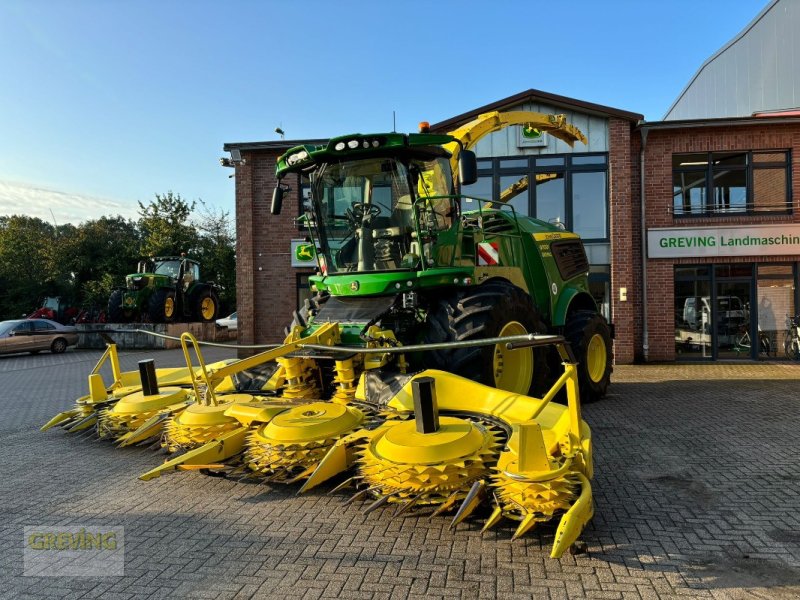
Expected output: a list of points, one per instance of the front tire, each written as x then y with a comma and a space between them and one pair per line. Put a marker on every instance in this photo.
494, 309
590, 338
161, 307
206, 307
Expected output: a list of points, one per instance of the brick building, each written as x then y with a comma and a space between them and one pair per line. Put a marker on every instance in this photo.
691, 224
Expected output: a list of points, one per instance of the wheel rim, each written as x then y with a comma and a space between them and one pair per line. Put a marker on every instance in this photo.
596, 357
169, 306
513, 369
207, 308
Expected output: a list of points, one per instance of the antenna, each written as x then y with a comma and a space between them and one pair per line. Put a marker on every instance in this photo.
54, 219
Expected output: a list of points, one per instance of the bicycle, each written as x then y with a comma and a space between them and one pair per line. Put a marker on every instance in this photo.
791, 342
743, 341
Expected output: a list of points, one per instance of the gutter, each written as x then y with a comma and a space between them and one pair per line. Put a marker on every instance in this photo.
643, 203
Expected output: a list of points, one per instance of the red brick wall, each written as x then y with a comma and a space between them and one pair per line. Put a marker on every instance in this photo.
266, 281
661, 145
625, 244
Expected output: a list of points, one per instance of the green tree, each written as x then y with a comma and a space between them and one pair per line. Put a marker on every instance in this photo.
165, 227
28, 249
99, 254
217, 251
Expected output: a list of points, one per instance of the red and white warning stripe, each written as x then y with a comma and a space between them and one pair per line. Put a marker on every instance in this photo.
488, 253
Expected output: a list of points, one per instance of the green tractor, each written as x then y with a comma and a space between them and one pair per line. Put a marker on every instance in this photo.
398, 248
164, 290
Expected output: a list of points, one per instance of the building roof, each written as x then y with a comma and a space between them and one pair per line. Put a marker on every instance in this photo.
754, 72
760, 119
532, 95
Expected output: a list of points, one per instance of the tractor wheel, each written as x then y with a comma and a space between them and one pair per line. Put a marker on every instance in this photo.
494, 309
116, 313
206, 306
590, 338
161, 307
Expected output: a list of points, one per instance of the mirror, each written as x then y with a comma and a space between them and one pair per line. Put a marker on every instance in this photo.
467, 167
277, 201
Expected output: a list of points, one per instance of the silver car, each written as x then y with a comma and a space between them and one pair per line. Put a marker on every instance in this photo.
35, 335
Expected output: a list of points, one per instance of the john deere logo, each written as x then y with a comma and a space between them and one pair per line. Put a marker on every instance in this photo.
354, 286
304, 252
531, 133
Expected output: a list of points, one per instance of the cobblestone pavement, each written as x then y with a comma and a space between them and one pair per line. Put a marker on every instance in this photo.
697, 490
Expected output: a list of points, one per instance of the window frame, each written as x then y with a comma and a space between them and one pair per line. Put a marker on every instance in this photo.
709, 208
491, 167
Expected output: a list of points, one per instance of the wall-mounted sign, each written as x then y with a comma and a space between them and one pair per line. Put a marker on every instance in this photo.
303, 254
530, 137
736, 240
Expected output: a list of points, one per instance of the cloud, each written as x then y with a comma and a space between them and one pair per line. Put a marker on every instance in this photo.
35, 201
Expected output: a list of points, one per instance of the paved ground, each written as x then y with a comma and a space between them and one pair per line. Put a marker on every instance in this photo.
697, 490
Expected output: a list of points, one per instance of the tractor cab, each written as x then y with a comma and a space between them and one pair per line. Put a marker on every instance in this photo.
377, 203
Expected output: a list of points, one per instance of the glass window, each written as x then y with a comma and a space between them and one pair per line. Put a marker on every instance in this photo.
730, 191
600, 288
509, 163
550, 198
589, 205
721, 183
43, 326
514, 190
689, 192
481, 189
769, 190
775, 297
693, 317
596, 159
24, 327
303, 290
555, 161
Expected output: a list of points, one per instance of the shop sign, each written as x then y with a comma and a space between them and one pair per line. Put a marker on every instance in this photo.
737, 240
303, 254
530, 137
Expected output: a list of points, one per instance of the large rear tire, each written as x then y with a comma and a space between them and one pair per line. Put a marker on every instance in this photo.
494, 309
590, 338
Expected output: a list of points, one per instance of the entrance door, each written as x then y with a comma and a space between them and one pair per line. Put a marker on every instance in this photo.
732, 320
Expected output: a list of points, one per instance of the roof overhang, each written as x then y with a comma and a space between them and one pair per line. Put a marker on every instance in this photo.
539, 96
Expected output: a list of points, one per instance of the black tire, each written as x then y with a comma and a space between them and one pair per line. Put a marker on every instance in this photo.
116, 313
483, 312
206, 306
587, 328
161, 308
58, 346
302, 316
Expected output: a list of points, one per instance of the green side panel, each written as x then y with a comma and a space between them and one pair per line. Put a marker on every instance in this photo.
389, 283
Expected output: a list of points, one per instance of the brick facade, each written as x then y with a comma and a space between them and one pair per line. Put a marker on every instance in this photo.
266, 282
660, 146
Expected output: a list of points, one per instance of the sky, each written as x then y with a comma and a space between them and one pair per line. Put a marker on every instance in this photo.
105, 103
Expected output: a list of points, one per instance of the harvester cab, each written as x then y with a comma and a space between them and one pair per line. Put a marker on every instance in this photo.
399, 247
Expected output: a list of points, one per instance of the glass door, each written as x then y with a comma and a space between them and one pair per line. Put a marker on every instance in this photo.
733, 320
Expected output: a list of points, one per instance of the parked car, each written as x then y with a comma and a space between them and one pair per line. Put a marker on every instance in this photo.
230, 322
35, 335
